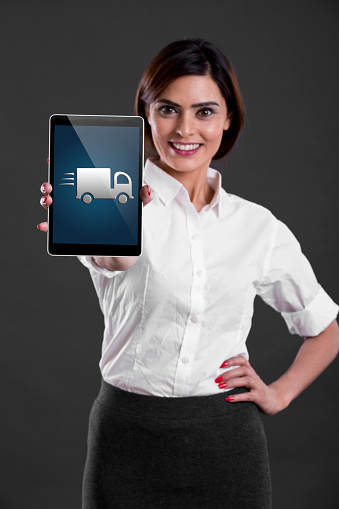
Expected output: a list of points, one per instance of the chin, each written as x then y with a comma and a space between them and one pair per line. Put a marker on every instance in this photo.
183, 163
179, 165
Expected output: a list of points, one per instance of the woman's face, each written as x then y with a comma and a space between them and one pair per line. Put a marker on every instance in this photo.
187, 122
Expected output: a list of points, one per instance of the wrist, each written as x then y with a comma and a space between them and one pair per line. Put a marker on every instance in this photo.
282, 396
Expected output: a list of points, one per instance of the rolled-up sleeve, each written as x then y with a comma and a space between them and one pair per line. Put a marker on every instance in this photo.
95, 269
289, 286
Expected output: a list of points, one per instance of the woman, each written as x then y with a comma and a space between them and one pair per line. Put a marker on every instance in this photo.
177, 420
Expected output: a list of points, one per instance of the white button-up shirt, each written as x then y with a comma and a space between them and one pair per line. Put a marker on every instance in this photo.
187, 304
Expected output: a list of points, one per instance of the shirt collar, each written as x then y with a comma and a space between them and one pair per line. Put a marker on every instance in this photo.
165, 186
168, 187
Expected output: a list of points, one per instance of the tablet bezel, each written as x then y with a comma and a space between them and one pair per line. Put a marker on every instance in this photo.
59, 249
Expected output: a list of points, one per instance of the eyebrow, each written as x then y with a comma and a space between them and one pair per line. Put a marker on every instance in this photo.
198, 105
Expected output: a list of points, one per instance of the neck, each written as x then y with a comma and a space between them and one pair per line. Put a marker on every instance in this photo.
195, 181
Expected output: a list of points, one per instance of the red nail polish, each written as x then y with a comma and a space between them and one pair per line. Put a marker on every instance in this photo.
38, 226
149, 190
44, 199
219, 379
224, 364
230, 398
222, 386
48, 159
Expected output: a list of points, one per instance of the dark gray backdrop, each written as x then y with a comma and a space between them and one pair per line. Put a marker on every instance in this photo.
87, 57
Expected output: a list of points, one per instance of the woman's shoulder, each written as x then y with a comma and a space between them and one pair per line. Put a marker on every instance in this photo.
249, 209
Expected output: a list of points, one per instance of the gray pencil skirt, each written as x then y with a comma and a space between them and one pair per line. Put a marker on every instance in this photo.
149, 452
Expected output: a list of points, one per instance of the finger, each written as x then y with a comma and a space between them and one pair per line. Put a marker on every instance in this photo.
235, 398
43, 227
244, 381
240, 360
224, 379
236, 373
227, 375
46, 188
235, 362
146, 195
45, 201
243, 396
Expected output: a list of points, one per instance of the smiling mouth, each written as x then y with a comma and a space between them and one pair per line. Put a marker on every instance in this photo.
180, 146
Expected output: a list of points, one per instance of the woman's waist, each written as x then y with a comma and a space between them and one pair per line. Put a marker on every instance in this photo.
166, 407
173, 377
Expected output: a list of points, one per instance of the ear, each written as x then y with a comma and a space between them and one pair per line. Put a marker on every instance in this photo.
228, 121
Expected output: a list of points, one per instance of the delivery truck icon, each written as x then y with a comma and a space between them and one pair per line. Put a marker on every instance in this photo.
93, 183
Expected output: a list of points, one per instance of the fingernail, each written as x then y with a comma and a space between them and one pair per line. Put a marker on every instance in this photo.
224, 364
38, 226
48, 159
230, 398
149, 190
222, 386
44, 199
219, 379
43, 188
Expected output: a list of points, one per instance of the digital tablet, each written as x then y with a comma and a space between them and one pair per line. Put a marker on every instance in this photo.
95, 168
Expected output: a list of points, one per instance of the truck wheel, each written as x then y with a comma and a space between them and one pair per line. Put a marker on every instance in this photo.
87, 198
122, 198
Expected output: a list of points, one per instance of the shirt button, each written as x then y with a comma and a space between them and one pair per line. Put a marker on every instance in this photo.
185, 360
194, 319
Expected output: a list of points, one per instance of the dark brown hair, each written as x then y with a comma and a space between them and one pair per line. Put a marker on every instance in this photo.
196, 57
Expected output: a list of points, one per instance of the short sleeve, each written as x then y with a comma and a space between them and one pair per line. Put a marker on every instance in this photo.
291, 288
95, 269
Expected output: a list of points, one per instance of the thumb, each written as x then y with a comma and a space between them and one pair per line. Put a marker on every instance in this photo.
43, 227
146, 194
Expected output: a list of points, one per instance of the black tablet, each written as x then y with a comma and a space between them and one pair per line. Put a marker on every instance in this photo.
95, 168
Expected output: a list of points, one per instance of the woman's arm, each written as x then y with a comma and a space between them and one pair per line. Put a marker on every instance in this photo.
116, 263
313, 357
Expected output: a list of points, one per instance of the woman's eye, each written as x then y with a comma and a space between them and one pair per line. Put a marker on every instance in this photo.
206, 112
167, 109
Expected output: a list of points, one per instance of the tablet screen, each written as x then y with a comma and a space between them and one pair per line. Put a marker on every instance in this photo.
96, 167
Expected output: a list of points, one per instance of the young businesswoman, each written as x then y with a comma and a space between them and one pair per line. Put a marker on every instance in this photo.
177, 421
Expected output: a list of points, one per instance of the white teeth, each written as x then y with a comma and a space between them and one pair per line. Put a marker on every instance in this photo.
185, 147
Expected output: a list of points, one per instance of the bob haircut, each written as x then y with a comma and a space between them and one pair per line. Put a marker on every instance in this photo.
197, 57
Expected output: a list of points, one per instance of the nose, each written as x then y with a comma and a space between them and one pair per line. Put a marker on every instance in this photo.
185, 125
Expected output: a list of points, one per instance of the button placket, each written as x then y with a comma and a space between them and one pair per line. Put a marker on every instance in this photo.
195, 316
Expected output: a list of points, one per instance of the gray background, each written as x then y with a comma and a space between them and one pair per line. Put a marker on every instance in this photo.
87, 57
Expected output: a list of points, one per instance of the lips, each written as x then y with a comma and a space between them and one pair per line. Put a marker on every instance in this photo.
185, 146
185, 149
